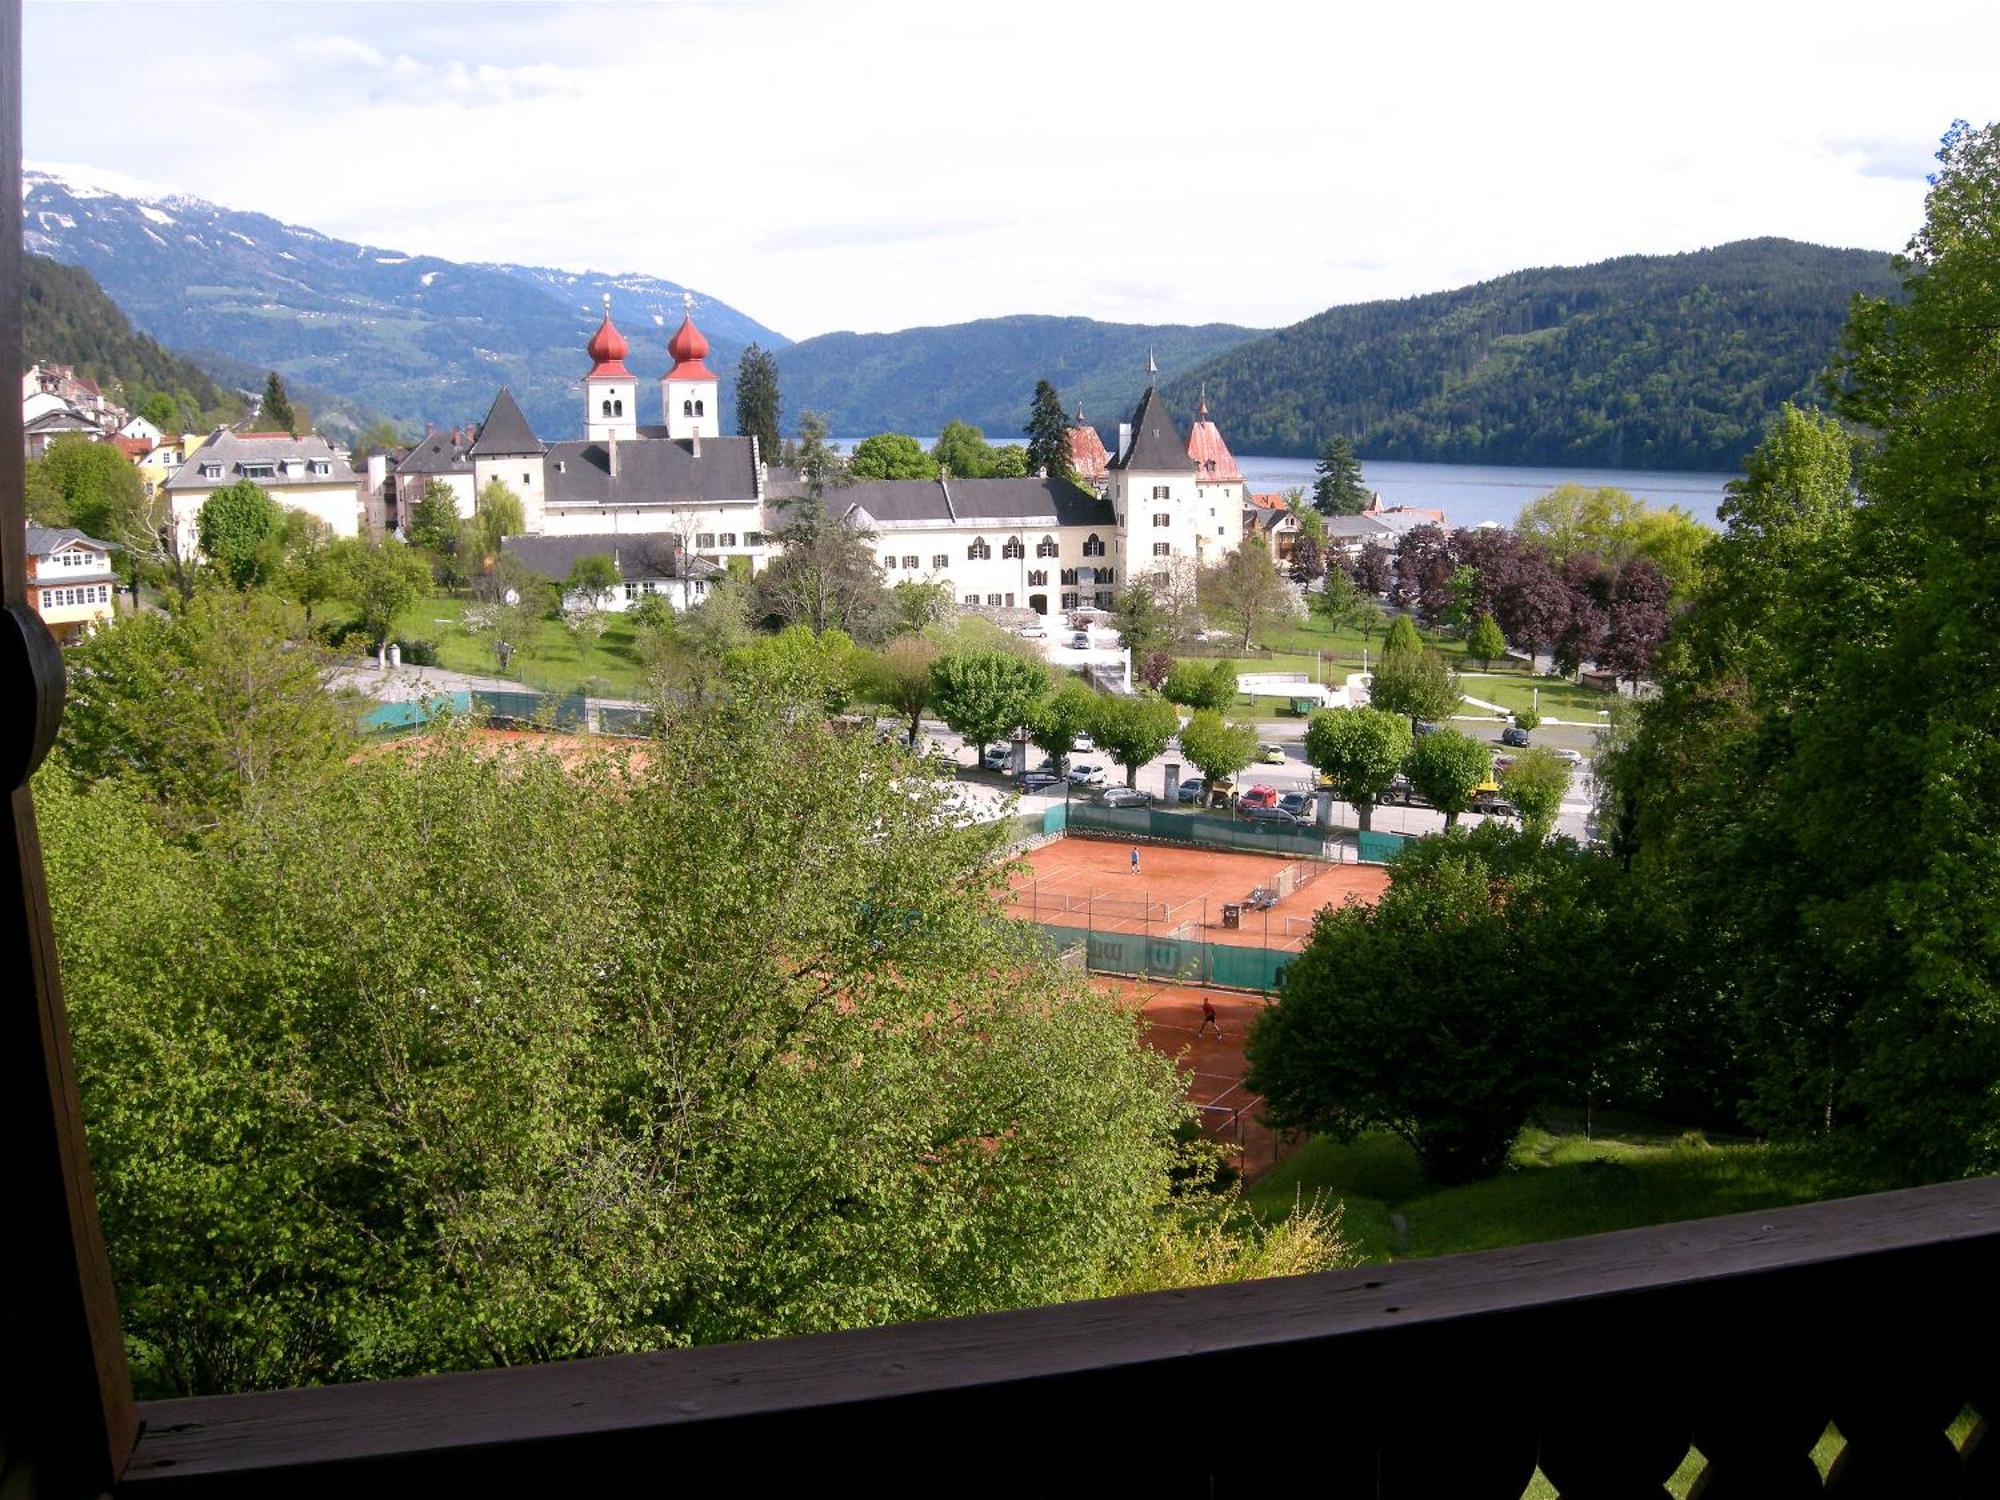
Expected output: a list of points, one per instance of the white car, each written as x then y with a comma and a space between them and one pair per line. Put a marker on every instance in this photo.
1034, 633
1574, 757
1086, 776
1082, 744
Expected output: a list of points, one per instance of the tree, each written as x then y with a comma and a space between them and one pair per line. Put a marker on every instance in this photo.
984, 695
1056, 719
1048, 434
916, 606
1142, 621
1199, 685
1154, 668
1402, 637
1484, 643
1246, 593
1132, 731
1482, 984
899, 678
891, 455
497, 514
1637, 622
1008, 461
1424, 569
592, 575
433, 522
961, 452
239, 527
100, 490
274, 413
387, 578
207, 713
796, 668
757, 403
1216, 749
1374, 569
1535, 782
1360, 750
1534, 607
1307, 561
1339, 491
314, 570
1446, 768
694, 665
536, 1128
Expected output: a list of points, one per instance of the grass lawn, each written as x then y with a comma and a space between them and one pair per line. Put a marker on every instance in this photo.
550, 661
1558, 1184
1554, 697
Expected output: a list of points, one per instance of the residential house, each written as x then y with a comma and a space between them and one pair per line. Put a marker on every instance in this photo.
646, 563
70, 581
305, 473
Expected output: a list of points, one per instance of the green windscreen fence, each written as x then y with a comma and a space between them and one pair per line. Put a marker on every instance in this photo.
1175, 960
563, 712
1208, 830
1379, 848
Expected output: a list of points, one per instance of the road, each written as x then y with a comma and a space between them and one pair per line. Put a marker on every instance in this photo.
1296, 775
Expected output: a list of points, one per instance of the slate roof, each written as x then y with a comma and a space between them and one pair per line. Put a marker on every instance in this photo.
1156, 443
1356, 529
637, 556
650, 471
974, 502
439, 453
505, 432
64, 419
46, 541
234, 450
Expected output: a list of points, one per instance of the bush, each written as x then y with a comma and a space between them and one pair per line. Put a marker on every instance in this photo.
419, 653
1527, 718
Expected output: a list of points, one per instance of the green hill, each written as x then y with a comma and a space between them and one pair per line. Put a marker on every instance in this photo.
1647, 361
984, 372
67, 319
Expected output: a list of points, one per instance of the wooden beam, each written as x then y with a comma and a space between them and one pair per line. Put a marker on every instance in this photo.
67, 1421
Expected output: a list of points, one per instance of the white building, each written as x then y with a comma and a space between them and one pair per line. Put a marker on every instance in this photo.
646, 565
305, 473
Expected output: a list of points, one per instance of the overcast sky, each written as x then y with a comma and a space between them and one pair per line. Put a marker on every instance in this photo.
880, 165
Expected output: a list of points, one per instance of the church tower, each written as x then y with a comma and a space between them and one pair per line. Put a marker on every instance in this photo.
688, 390
610, 392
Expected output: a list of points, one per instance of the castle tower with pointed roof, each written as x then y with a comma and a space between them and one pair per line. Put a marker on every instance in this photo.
1087, 453
689, 390
1219, 492
610, 392
1152, 489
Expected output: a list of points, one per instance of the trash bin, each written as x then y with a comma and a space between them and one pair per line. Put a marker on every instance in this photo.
1232, 914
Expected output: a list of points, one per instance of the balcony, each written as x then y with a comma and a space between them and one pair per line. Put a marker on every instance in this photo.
1602, 1360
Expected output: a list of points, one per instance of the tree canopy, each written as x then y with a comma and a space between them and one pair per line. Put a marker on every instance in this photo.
757, 400
985, 695
1217, 749
1338, 490
1246, 594
891, 455
1360, 750
1048, 434
240, 528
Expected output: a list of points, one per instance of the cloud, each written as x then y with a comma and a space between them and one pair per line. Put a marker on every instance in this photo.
334, 49
868, 232
1898, 160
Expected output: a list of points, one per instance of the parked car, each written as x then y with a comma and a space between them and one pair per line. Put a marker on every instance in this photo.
1271, 755
1080, 641
1086, 775
1574, 757
1514, 735
1038, 781
1424, 727
996, 757
1082, 744
1269, 815
1189, 790
1123, 796
1493, 805
1298, 804
1034, 633
1260, 796
1399, 792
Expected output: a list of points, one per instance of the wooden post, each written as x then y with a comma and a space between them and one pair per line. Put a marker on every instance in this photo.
67, 1424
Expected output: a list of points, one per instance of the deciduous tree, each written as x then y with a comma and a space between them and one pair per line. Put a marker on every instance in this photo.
1419, 685
1535, 781
1446, 767
891, 455
1202, 685
240, 529
1055, 719
984, 695
1217, 749
1245, 593
1484, 643
1132, 731
1360, 750
899, 678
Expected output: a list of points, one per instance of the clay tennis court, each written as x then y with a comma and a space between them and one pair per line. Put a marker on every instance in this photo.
1169, 1016
1090, 883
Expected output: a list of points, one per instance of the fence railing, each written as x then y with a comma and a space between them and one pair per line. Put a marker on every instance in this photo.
1206, 830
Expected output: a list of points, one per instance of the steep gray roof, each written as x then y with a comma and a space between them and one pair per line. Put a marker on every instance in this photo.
46, 541
505, 432
974, 502
235, 451
64, 419
1356, 528
1157, 446
436, 453
650, 471
637, 555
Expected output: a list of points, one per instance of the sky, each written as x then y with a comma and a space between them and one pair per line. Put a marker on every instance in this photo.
849, 164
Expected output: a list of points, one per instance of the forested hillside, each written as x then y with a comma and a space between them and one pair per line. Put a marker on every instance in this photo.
66, 319
1667, 361
983, 372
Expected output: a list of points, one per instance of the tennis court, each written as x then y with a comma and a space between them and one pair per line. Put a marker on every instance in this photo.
1090, 884
1169, 1018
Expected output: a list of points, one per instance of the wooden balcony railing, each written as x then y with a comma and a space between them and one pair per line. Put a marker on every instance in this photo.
1602, 1359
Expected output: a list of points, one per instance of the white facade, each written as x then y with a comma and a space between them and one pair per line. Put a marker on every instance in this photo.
691, 408
302, 473
611, 408
1159, 516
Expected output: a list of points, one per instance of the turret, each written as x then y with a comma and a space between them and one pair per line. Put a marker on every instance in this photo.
610, 393
688, 391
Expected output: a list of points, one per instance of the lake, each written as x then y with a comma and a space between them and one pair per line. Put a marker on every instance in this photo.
1471, 493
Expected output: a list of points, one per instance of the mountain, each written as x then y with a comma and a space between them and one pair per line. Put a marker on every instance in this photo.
67, 320
1647, 361
985, 372
417, 338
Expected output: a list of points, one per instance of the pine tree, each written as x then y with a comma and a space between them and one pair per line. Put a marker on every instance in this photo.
276, 413
1339, 491
1048, 435
757, 401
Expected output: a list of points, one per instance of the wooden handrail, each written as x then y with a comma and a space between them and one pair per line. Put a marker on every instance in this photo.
1459, 1372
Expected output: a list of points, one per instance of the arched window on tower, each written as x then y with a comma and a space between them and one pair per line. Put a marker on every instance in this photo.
697, 409
687, 408
618, 408
607, 408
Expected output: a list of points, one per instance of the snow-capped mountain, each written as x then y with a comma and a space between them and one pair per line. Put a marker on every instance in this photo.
415, 337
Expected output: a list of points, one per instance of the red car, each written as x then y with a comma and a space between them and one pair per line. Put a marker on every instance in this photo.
1258, 796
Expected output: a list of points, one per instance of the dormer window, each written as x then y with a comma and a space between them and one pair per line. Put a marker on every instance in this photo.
321, 466
257, 471
211, 471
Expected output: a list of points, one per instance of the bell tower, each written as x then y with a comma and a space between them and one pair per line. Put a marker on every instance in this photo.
688, 391
610, 392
